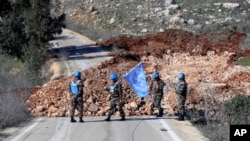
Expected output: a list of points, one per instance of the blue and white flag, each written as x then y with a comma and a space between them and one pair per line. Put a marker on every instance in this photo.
137, 80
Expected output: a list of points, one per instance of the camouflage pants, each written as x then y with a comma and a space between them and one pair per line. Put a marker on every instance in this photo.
77, 103
157, 102
181, 104
115, 102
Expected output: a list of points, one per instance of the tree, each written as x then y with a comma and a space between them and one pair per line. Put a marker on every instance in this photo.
25, 30
39, 29
5, 7
12, 39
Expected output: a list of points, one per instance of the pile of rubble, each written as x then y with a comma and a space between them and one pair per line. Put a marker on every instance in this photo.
206, 59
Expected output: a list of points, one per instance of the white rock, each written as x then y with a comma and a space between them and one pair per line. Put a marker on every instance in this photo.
231, 5
166, 12
168, 2
173, 6
191, 21
139, 7
112, 20
144, 30
161, 30
158, 9
92, 108
217, 4
133, 105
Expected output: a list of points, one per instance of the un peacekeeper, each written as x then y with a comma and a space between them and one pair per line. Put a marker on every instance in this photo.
116, 97
156, 89
181, 91
76, 91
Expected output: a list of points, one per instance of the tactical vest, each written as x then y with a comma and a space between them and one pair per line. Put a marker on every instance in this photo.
114, 93
181, 88
157, 87
74, 87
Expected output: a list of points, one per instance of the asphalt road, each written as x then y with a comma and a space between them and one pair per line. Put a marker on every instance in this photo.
76, 52
80, 53
96, 129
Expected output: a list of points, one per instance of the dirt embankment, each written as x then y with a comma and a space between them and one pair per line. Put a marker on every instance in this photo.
206, 59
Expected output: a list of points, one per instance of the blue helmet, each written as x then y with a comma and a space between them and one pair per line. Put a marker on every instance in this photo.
155, 75
113, 76
77, 74
181, 75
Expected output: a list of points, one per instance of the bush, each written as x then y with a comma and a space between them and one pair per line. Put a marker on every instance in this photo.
237, 109
12, 110
13, 91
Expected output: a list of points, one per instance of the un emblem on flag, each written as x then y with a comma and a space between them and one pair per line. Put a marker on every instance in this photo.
137, 80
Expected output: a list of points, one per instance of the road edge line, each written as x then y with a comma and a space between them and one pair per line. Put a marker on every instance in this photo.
19, 136
170, 131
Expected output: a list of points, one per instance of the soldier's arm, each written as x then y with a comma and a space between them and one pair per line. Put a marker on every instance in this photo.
80, 88
160, 87
150, 87
69, 89
179, 88
120, 91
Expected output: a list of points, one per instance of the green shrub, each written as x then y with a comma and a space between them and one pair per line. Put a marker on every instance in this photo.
237, 109
244, 62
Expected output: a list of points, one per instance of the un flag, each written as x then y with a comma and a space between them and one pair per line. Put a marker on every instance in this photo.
137, 80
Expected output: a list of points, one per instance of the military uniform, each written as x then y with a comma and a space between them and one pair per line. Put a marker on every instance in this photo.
76, 90
116, 97
156, 88
181, 91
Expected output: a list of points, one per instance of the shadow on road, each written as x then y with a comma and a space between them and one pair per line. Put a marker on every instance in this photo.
115, 119
61, 38
79, 57
77, 52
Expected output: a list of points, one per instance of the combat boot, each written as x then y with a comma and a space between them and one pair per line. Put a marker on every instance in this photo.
107, 119
160, 113
81, 120
72, 119
123, 118
180, 117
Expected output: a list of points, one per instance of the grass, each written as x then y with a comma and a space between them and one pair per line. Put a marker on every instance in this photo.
243, 62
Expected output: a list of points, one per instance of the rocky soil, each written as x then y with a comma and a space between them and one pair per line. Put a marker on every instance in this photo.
133, 17
208, 60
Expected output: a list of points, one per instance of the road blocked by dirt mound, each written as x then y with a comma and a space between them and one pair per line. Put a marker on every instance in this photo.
206, 59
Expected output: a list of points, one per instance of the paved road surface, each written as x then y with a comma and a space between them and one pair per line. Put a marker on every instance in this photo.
80, 55
76, 52
145, 128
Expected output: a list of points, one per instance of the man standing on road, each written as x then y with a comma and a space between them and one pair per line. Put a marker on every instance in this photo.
116, 97
76, 91
181, 91
156, 89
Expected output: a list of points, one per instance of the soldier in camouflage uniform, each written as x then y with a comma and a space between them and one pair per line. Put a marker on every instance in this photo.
76, 91
156, 88
116, 98
181, 91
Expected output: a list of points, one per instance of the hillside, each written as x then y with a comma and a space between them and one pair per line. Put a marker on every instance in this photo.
101, 19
